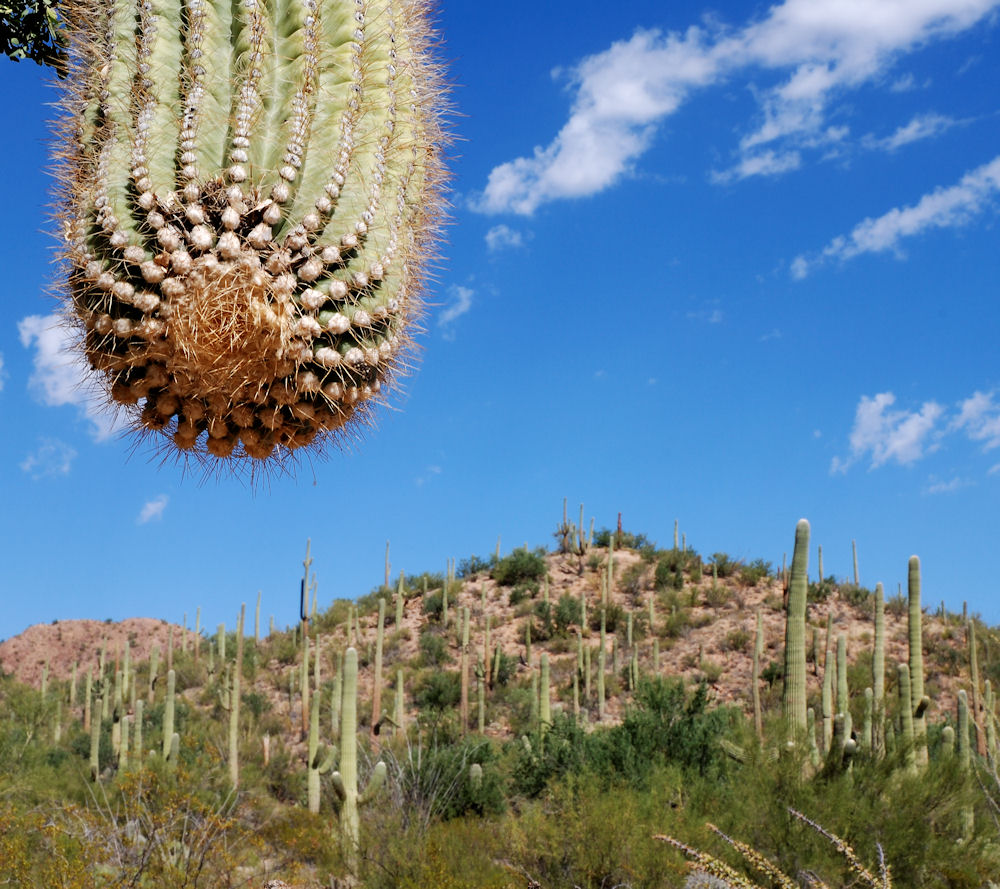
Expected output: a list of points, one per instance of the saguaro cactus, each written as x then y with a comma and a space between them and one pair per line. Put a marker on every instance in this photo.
250, 195
916, 661
345, 781
794, 701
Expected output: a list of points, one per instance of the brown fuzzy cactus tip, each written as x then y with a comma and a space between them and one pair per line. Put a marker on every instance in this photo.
250, 198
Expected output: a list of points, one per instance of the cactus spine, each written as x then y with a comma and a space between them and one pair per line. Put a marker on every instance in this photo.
345, 781
247, 242
794, 699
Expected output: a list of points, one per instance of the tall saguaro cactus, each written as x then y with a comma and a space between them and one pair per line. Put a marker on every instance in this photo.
345, 781
794, 700
250, 194
916, 659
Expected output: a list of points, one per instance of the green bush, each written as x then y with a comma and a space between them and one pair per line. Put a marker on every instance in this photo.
433, 649
752, 574
724, 565
568, 611
520, 566
475, 565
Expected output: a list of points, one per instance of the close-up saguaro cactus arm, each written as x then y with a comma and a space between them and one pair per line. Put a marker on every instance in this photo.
250, 194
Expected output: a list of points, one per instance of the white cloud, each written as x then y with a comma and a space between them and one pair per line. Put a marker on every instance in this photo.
923, 126
153, 509
61, 376
948, 487
886, 435
979, 418
460, 303
903, 84
767, 163
501, 237
948, 207
3, 376
623, 93
51, 458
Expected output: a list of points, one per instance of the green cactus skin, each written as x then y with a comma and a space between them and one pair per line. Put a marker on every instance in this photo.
545, 711
964, 751
304, 688
947, 742
819, 561
400, 601
475, 777
463, 708
915, 637
318, 764
675, 533
481, 695
974, 679
843, 693
989, 717
95, 743
377, 686
814, 754
337, 696
867, 727
758, 652
906, 714
829, 671
173, 752
220, 645
601, 668
794, 698
256, 622
137, 731
234, 703
345, 781
250, 198
168, 713
854, 554
878, 673
586, 675
123, 749
197, 633
87, 694
117, 712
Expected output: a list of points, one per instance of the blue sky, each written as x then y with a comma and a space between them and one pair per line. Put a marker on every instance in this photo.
731, 265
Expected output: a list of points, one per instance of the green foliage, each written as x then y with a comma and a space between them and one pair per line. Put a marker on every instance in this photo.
724, 565
624, 540
438, 690
521, 592
752, 574
475, 565
433, 649
434, 605
32, 29
520, 566
820, 591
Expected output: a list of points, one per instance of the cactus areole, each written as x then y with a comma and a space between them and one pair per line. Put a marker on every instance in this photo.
250, 193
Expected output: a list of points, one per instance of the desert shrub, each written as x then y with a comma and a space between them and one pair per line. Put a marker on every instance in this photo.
724, 565
433, 649
521, 565
677, 622
568, 611
614, 616
624, 540
434, 605
737, 640
717, 595
854, 594
897, 605
438, 690
631, 582
820, 591
521, 592
752, 574
475, 565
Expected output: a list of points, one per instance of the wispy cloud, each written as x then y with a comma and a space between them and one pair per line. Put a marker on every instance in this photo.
709, 316
979, 418
60, 376
923, 126
428, 473
3, 375
503, 237
153, 509
935, 486
622, 94
460, 304
885, 435
949, 207
50, 459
